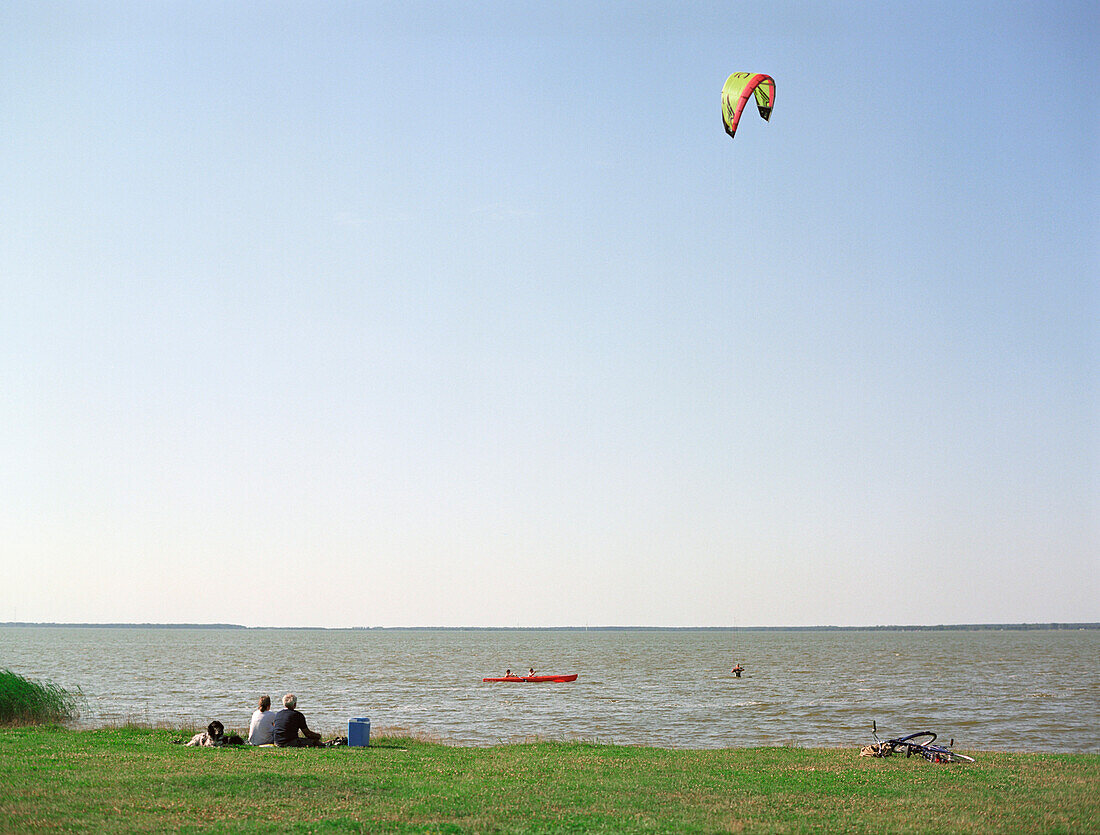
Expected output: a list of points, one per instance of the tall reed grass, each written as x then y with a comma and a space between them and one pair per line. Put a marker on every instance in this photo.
25, 702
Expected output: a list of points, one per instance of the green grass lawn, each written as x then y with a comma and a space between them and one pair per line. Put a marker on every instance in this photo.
134, 780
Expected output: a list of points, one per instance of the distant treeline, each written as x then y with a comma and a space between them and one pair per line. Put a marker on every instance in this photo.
135, 625
943, 627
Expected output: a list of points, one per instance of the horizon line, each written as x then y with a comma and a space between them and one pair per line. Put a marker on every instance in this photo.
1051, 625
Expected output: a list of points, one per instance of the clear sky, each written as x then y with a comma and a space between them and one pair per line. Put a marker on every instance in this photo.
424, 313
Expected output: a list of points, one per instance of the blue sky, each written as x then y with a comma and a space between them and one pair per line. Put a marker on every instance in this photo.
435, 314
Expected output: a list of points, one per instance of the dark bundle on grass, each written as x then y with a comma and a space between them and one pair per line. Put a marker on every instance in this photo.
25, 702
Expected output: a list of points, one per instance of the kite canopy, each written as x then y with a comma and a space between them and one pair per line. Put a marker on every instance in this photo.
736, 92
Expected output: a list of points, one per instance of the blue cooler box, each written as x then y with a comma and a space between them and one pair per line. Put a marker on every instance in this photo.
359, 732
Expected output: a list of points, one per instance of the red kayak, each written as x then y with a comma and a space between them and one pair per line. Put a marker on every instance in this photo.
536, 679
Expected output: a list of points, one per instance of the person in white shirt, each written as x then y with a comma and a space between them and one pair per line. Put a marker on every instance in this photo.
261, 730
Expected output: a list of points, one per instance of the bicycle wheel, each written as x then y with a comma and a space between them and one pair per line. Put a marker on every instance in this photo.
953, 757
911, 744
908, 740
939, 754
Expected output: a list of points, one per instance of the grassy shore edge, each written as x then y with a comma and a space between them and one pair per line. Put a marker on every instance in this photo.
132, 779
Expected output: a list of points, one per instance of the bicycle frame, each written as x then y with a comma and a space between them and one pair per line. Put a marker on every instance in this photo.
927, 749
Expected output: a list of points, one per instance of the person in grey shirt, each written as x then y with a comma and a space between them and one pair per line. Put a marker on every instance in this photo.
261, 730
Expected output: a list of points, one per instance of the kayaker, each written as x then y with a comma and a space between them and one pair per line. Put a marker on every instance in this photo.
738, 670
531, 672
508, 674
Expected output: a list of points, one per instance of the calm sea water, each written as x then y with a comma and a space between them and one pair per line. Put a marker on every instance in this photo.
990, 690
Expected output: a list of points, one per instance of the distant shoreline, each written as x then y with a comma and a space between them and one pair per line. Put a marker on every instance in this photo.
961, 627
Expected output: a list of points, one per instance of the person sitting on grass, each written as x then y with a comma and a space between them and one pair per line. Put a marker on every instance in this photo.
261, 730
288, 722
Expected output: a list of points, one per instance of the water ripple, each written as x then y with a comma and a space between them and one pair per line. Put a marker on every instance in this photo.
671, 689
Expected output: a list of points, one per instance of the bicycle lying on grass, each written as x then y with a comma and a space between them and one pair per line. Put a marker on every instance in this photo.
921, 743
